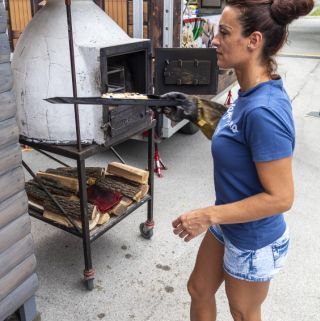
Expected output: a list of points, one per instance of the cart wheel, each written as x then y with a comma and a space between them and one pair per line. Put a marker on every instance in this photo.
90, 284
146, 233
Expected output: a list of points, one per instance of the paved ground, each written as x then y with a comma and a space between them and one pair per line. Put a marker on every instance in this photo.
145, 280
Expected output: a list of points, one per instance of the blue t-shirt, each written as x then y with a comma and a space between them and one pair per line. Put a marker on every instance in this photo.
258, 127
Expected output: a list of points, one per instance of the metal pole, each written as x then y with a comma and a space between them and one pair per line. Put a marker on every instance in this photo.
34, 7
88, 272
73, 72
51, 157
167, 23
138, 18
151, 173
117, 155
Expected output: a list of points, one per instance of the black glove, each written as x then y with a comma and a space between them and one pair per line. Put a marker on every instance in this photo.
187, 109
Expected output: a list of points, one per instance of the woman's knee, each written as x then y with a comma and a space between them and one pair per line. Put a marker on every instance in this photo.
199, 289
237, 315
240, 314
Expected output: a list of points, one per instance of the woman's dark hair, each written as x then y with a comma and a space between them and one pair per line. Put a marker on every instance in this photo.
271, 18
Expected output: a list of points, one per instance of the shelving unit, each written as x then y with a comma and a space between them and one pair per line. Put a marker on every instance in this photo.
80, 152
146, 228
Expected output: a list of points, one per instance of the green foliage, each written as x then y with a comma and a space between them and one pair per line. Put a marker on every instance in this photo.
315, 12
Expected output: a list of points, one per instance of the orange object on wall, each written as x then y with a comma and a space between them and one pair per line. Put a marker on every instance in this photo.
20, 15
118, 11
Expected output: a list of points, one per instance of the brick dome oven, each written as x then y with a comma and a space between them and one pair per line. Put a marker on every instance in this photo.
105, 58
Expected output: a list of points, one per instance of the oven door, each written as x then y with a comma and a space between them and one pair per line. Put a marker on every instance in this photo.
193, 71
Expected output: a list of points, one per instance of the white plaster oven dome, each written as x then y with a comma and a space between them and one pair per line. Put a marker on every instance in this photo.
41, 67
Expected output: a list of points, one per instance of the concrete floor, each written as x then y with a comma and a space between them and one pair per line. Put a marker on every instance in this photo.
138, 279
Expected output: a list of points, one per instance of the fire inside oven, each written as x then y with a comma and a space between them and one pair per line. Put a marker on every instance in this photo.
125, 70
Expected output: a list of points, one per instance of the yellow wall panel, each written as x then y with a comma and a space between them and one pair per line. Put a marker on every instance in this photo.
20, 15
117, 10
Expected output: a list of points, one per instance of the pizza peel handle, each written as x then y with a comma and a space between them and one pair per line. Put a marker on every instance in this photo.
150, 101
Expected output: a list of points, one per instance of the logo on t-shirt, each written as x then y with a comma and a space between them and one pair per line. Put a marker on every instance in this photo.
228, 118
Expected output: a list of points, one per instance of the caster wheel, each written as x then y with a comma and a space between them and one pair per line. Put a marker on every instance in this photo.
146, 233
89, 284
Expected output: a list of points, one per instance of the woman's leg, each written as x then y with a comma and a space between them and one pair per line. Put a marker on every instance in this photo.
205, 279
245, 298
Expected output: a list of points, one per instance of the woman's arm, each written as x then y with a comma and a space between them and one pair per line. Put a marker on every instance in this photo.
277, 181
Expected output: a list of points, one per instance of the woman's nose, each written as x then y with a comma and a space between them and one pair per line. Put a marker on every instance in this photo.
215, 42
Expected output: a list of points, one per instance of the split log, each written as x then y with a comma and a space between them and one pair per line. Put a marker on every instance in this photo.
70, 206
122, 207
128, 172
38, 195
60, 219
144, 190
36, 206
33, 187
104, 218
35, 193
67, 183
119, 184
91, 172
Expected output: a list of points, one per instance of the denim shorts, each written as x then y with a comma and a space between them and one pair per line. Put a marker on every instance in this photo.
253, 265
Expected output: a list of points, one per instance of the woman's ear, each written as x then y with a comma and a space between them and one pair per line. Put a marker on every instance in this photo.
255, 40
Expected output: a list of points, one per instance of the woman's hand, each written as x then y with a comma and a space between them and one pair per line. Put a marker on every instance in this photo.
191, 224
187, 109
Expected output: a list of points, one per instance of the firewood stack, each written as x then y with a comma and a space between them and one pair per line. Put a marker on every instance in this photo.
110, 191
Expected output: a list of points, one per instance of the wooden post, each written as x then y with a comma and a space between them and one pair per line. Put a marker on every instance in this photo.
155, 23
34, 6
7, 7
18, 281
100, 3
176, 23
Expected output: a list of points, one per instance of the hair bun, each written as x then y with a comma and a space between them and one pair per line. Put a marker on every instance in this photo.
285, 11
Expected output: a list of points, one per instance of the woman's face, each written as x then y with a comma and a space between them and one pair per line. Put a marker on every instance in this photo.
232, 47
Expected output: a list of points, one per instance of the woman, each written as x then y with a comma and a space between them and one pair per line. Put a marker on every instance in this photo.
246, 240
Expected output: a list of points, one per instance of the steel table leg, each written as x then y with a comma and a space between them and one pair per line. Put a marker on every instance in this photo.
146, 228
88, 273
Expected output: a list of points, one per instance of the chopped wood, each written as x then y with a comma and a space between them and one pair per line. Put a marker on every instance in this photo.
122, 207
104, 218
119, 184
50, 186
91, 172
64, 182
35, 193
36, 206
60, 219
128, 172
144, 190
71, 207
